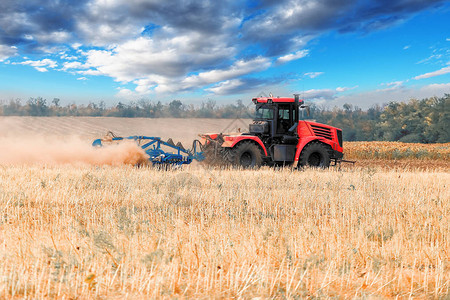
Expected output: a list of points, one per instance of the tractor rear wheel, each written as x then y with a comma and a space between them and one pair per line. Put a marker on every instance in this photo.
315, 155
246, 155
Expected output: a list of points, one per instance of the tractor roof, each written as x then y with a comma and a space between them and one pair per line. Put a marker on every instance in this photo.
274, 100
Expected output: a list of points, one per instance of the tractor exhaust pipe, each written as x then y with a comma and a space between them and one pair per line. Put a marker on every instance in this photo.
297, 107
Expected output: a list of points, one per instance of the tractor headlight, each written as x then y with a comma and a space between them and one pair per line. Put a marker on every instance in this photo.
270, 101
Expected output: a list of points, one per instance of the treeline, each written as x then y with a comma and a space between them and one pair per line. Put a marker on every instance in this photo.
415, 121
140, 109
420, 121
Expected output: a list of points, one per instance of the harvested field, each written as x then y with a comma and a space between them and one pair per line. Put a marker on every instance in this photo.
401, 156
115, 231
80, 224
397, 151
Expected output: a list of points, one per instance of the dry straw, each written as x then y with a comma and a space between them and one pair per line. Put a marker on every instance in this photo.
120, 231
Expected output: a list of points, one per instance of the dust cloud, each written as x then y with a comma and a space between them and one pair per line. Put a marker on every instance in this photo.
57, 150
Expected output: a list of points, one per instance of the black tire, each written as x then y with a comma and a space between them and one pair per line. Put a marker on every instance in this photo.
315, 155
246, 155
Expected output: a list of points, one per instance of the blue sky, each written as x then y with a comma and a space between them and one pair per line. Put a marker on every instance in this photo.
330, 51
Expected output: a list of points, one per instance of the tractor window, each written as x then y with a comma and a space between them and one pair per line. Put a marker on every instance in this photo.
284, 119
283, 114
264, 113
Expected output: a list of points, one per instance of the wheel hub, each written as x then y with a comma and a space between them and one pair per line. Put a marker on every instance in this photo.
315, 159
246, 159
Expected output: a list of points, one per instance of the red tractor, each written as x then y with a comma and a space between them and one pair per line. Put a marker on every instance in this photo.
277, 136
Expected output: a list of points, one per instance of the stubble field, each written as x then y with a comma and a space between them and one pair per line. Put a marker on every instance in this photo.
91, 228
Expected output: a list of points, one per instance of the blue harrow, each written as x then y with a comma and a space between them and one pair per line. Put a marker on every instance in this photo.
158, 150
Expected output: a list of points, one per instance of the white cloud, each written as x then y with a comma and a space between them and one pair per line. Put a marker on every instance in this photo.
406, 47
394, 85
81, 78
226, 87
442, 71
436, 89
104, 34
242, 85
292, 56
40, 65
89, 72
52, 37
76, 45
322, 94
74, 65
238, 69
163, 67
67, 57
313, 74
7, 51
41, 69
165, 84
432, 57
171, 58
127, 94
344, 89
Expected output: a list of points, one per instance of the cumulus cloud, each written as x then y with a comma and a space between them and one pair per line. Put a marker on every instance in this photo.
278, 27
40, 65
7, 51
238, 69
117, 20
173, 57
40, 23
74, 65
90, 72
162, 67
127, 94
166, 84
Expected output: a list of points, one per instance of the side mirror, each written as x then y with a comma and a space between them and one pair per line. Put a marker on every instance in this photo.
308, 110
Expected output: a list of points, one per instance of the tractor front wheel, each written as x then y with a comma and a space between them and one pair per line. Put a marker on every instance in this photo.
315, 155
246, 155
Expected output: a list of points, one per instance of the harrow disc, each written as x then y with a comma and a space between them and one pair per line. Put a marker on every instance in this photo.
161, 153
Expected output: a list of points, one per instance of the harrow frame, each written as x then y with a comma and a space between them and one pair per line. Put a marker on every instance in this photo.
158, 156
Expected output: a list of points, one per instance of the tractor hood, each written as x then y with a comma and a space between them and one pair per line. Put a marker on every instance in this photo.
207, 138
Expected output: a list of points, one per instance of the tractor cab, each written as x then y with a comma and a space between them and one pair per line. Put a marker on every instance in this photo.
275, 117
